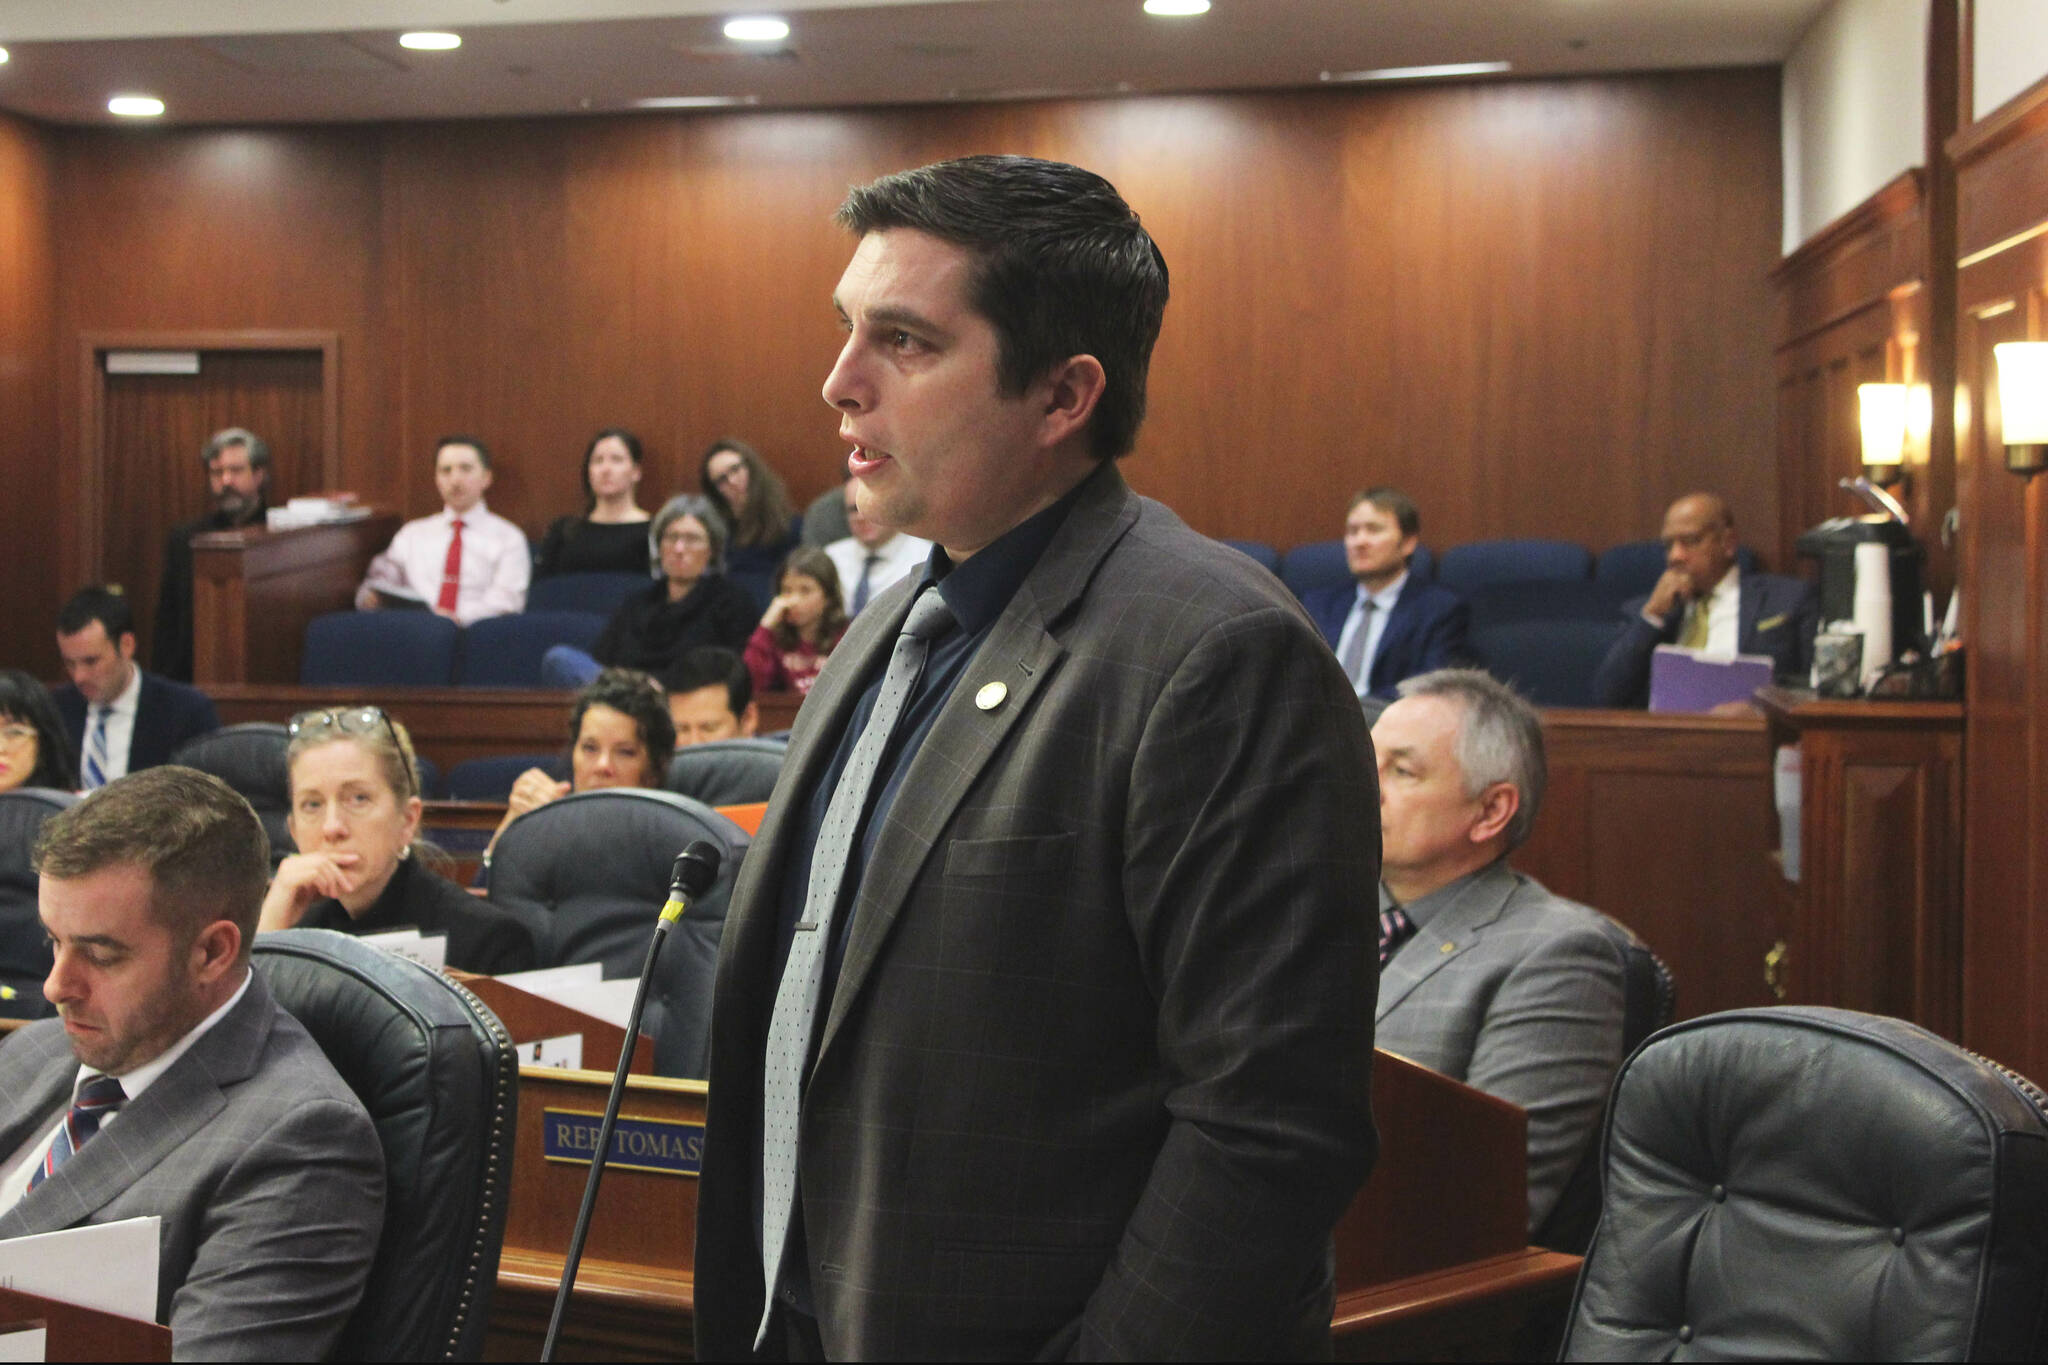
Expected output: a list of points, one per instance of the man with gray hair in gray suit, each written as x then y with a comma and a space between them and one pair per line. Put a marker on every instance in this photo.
173, 1085
1485, 976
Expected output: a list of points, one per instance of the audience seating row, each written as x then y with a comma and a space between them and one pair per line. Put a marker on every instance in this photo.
420, 649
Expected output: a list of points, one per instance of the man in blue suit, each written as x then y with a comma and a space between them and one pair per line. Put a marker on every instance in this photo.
1706, 602
1387, 627
137, 720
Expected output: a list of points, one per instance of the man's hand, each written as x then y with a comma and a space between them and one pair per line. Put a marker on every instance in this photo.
1673, 590
366, 598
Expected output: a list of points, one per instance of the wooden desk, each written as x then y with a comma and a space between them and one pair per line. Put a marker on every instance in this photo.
75, 1333
1877, 913
1431, 1257
1665, 822
254, 590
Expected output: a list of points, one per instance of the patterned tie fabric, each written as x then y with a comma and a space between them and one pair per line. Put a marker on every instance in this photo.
96, 749
1395, 929
861, 589
451, 572
1353, 660
797, 998
1694, 633
97, 1098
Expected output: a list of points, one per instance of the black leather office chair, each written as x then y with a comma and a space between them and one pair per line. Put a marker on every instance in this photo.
588, 874
439, 1075
727, 772
1810, 1183
24, 957
250, 758
1648, 1000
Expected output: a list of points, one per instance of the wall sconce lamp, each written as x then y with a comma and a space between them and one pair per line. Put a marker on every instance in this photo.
1882, 409
2023, 404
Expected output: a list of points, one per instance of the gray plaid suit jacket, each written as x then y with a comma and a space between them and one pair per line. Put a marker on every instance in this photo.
259, 1159
1518, 993
1094, 1079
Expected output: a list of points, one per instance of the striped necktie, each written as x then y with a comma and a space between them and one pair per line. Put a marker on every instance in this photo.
96, 749
98, 1097
803, 976
1395, 929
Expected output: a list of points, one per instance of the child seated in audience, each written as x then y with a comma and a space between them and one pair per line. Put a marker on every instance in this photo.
751, 498
620, 735
464, 562
360, 868
802, 627
33, 749
611, 535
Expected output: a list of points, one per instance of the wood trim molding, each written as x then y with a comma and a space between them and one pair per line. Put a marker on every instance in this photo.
1853, 263
92, 464
2002, 177
2024, 113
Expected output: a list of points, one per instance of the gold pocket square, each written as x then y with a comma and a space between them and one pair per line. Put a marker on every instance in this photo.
1773, 622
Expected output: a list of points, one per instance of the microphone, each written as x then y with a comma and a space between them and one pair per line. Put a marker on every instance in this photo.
696, 869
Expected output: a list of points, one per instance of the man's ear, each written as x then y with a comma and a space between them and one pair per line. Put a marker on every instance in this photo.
750, 721
1072, 389
1497, 807
215, 950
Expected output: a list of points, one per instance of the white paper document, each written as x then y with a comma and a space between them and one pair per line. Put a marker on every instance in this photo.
428, 952
565, 1052
545, 979
108, 1266
30, 1343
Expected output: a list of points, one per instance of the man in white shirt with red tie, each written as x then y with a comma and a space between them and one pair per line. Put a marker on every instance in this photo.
464, 562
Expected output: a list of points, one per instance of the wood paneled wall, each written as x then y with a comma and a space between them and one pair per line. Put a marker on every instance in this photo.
2002, 295
1542, 306
29, 465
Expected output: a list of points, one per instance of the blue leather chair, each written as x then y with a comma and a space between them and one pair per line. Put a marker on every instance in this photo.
250, 758
1552, 663
728, 772
380, 649
1632, 570
1258, 550
505, 651
1465, 568
1320, 564
1542, 599
491, 778
598, 592
24, 954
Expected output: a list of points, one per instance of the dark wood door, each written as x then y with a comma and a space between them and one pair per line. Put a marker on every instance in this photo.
155, 427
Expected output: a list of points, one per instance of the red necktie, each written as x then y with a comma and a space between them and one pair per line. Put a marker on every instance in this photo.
451, 572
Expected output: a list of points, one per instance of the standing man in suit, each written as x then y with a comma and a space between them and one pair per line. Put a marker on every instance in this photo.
1042, 1023
872, 556
121, 718
237, 478
1484, 975
1705, 601
1387, 627
174, 1086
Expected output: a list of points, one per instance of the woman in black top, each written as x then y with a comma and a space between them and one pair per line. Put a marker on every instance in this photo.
355, 812
695, 603
611, 535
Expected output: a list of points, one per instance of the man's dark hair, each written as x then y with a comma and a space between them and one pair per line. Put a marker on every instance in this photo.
1395, 504
1061, 268
639, 698
483, 452
707, 665
107, 605
203, 847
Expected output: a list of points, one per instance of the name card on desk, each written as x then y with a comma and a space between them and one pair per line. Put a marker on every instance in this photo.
662, 1146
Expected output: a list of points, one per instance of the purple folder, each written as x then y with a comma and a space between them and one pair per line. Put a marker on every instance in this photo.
1687, 680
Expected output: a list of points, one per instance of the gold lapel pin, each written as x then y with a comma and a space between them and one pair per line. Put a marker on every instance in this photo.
991, 696
1448, 948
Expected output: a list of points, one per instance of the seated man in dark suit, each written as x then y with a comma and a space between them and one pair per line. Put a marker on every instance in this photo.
1387, 628
174, 1086
1706, 602
137, 720
237, 477
1486, 976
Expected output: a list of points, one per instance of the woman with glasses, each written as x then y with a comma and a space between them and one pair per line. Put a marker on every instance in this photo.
751, 498
34, 751
611, 535
355, 816
693, 603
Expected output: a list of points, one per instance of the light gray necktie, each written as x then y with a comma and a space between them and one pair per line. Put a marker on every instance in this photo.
1353, 660
803, 976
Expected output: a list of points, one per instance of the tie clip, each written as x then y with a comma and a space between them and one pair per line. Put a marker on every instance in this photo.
806, 925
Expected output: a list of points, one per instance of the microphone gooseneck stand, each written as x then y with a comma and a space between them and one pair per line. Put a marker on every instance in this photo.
695, 870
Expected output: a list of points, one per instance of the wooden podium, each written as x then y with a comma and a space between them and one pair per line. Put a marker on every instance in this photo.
75, 1333
254, 590
1432, 1257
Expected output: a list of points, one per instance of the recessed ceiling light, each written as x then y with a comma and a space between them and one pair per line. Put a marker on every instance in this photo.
760, 28
3, 56
694, 101
1420, 73
430, 42
1176, 8
135, 106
